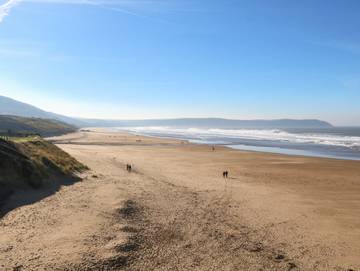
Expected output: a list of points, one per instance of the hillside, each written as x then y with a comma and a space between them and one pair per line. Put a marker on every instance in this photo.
43, 127
215, 123
31, 164
10, 106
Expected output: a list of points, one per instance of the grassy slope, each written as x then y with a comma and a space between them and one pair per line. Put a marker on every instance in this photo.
44, 127
32, 163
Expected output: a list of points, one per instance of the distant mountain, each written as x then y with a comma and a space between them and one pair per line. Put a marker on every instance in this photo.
12, 107
43, 127
214, 123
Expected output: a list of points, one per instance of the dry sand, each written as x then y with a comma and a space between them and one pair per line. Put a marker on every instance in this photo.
176, 212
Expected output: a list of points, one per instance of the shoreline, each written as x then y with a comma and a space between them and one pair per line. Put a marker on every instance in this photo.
319, 156
176, 211
322, 190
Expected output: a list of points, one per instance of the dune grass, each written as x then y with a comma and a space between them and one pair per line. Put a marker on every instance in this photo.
33, 161
23, 139
13, 125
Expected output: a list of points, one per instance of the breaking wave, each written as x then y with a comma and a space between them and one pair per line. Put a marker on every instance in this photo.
231, 136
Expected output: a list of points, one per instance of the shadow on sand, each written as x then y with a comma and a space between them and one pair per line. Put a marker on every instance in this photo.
15, 198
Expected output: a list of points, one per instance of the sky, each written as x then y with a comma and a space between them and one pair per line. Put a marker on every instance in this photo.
136, 59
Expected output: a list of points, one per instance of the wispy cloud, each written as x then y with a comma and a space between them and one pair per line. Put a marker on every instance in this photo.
6, 7
117, 6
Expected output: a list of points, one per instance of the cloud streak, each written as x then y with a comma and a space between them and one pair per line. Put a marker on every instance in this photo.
116, 6
6, 8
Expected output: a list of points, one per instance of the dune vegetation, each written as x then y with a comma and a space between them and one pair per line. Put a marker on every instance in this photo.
31, 163
15, 126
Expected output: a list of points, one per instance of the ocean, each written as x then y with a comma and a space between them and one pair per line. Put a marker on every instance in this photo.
338, 142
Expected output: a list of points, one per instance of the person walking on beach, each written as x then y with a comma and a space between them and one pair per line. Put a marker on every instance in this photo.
128, 167
225, 174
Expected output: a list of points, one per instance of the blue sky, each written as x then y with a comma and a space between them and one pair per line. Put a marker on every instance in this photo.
162, 59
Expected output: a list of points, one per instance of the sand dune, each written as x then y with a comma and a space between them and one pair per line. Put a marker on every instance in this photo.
176, 212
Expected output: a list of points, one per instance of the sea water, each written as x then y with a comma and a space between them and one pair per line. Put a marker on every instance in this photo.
337, 142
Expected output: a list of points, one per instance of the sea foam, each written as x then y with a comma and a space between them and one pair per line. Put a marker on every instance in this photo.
229, 136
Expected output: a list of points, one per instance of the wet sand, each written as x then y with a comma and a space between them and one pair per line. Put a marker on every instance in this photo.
175, 211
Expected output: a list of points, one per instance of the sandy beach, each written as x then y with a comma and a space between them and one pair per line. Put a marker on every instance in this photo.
175, 211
